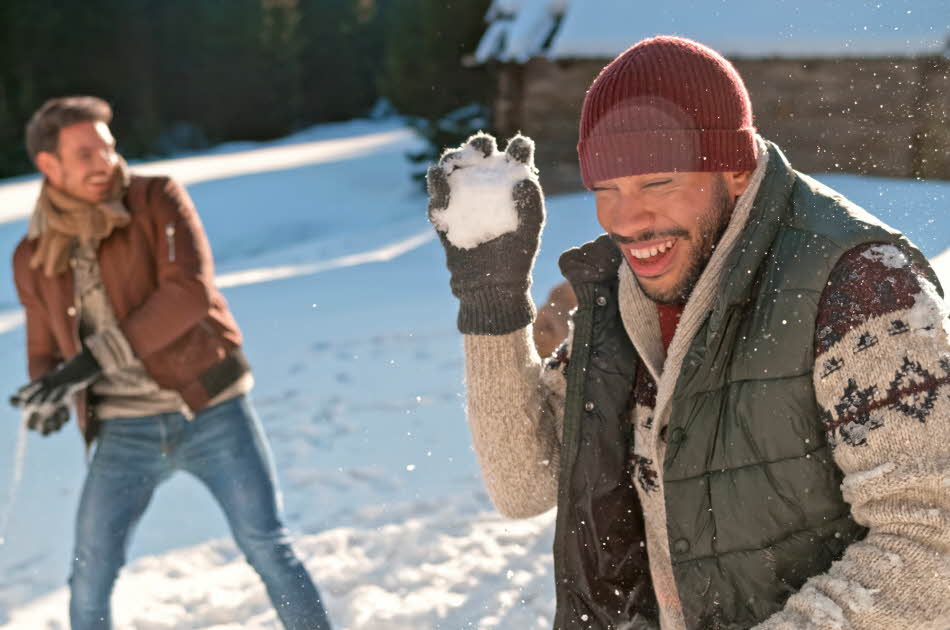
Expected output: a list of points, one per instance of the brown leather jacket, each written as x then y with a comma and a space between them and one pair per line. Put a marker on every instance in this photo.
159, 275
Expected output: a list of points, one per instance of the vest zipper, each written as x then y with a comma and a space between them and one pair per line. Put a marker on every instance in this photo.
170, 238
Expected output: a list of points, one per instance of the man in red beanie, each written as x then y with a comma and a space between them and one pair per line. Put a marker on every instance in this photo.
748, 425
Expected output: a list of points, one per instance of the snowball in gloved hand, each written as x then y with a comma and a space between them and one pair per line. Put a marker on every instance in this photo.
481, 180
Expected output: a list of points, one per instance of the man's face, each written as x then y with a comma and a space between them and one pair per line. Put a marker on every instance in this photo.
83, 163
667, 225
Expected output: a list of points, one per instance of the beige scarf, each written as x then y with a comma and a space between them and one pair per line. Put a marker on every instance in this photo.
59, 218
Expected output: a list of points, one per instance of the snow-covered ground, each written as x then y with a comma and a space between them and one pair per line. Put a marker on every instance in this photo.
329, 264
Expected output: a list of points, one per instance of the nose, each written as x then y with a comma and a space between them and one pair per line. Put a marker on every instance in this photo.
631, 217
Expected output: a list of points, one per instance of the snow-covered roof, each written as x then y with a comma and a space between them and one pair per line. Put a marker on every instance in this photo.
577, 29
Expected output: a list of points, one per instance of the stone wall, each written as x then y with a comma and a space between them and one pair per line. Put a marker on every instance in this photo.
876, 117
871, 116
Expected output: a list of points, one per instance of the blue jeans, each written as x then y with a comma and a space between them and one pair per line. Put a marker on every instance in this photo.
225, 448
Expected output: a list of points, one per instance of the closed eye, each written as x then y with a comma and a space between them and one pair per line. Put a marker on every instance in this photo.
657, 183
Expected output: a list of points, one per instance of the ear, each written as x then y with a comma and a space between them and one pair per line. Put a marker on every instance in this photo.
737, 182
49, 165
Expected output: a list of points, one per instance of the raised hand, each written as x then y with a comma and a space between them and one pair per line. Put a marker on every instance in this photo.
488, 210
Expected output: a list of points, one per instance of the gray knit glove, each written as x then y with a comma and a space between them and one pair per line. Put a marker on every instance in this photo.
491, 279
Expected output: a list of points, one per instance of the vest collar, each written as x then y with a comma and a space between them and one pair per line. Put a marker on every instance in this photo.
769, 209
594, 263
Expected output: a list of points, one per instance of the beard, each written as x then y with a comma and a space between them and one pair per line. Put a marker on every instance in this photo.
711, 225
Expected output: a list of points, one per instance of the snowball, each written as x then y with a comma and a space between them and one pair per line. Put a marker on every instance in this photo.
888, 255
481, 206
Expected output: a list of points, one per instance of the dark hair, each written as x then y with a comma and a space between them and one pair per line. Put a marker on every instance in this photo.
42, 132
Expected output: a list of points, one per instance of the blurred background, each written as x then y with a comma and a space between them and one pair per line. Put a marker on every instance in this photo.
183, 75
301, 129
860, 87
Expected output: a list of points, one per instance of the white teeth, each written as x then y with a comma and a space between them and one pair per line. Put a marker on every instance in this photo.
653, 251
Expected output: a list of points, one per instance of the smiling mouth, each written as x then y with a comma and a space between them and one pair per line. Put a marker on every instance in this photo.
651, 260
646, 253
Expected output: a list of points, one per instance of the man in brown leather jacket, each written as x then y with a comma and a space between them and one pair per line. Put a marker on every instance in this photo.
123, 318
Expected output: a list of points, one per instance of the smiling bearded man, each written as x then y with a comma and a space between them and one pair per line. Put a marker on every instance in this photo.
667, 262
749, 425
123, 320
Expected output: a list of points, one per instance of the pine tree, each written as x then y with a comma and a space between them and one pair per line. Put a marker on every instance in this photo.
426, 77
427, 42
232, 66
50, 49
339, 51
182, 74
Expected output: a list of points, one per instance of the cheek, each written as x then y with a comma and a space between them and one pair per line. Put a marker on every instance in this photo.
69, 169
57, 175
69, 176
603, 217
684, 217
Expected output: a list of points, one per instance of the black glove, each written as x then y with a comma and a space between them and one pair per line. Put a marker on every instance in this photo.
42, 399
491, 280
46, 423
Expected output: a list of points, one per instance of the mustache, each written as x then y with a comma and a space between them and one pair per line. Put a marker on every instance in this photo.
648, 235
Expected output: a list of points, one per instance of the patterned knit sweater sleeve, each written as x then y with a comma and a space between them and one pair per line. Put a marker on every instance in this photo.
882, 380
515, 405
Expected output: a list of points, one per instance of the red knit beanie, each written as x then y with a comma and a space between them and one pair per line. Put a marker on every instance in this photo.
665, 104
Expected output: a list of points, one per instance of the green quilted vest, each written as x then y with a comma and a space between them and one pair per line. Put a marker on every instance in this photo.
753, 496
